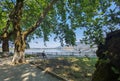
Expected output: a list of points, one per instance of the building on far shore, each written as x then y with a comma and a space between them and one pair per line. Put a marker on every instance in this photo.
79, 47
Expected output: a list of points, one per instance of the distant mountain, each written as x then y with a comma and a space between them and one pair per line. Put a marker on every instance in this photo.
84, 47
79, 47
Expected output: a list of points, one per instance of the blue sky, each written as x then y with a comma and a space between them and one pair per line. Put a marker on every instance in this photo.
38, 43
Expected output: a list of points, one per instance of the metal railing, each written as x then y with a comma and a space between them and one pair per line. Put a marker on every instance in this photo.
57, 54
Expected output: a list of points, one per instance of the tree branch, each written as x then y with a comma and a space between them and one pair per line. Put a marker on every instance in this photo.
40, 19
5, 28
11, 17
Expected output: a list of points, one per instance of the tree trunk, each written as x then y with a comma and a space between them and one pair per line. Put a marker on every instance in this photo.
104, 72
5, 43
108, 65
19, 55
5, 46
19, 49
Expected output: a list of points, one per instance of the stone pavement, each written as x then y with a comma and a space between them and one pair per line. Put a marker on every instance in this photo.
24, 72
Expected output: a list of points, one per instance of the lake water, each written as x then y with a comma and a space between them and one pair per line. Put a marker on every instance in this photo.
49, 50
58, 52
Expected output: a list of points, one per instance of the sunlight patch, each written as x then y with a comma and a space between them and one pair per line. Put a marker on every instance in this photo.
26, 74
74, 59
6, 79
85, 59
48, 69
65, 74
60, 58
33, 74
25, 79
89, 74
75, 68
66, 67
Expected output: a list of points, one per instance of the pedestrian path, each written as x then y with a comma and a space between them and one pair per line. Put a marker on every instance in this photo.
24, 72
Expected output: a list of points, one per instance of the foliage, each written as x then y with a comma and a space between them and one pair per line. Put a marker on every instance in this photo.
116, 71
97, 16
71, 15
6, 7
105, 20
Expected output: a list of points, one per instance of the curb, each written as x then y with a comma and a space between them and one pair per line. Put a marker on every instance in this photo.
52, 73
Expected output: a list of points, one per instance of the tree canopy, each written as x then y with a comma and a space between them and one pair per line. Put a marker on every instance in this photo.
106, 20
96, 16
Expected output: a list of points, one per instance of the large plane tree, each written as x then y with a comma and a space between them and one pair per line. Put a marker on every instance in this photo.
41, 18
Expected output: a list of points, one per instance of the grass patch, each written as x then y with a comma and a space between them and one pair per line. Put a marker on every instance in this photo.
72, 68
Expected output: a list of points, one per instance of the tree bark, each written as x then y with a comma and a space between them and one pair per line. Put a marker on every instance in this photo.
5, 46
108, 65
19, 52
5, 42
19, 56
20, 45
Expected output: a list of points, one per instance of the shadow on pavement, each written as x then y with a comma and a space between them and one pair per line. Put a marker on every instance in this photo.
24, 72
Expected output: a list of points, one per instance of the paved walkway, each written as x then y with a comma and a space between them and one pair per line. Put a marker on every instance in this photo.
24, 72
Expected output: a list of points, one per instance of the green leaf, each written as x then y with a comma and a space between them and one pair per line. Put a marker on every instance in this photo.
116, 71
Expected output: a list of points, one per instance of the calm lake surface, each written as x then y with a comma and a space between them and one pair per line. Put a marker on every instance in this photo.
36, 50
49, 50
60, 52
57, 51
